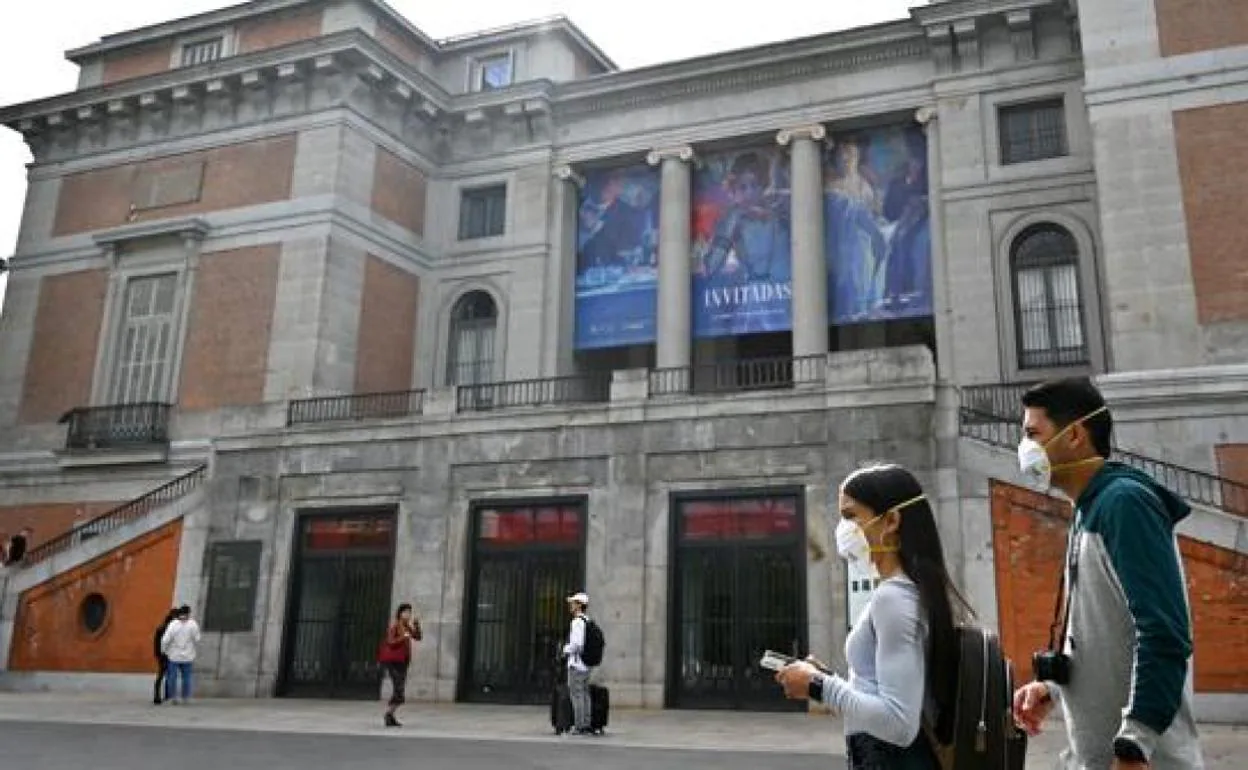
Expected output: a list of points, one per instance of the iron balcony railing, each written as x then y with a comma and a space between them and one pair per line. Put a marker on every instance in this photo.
738, 376
994, 414
362, 406
580, 389
118, 517
117, 426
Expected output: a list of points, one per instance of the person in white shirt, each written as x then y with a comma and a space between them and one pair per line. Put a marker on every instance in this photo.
179, 645
578, 672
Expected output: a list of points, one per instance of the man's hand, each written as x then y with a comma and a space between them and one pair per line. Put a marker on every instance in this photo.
795, 679
1032, 704
1126, 764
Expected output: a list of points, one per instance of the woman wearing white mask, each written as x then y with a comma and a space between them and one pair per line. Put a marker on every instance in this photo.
902, 651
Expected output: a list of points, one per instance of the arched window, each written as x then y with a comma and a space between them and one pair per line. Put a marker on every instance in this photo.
1048, 305
471, 352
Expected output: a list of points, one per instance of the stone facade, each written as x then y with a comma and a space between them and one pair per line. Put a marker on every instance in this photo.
304, 194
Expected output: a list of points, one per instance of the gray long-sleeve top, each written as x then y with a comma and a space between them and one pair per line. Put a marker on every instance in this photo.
887, 657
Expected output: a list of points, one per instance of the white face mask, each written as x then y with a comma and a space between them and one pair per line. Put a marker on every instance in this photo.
1033, 461
853, 546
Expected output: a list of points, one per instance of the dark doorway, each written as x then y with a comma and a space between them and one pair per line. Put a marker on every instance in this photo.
339, 604
526, 560
738, 589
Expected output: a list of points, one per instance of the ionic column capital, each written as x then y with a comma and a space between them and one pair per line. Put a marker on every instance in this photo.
683, 153
814, 132
568, 174
926, 116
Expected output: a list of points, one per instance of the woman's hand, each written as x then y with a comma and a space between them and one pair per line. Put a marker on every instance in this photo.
795, 679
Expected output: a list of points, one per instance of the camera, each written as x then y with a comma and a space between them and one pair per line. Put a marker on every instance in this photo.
1050, 666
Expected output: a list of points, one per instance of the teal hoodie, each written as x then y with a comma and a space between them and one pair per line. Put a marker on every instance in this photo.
1130, 637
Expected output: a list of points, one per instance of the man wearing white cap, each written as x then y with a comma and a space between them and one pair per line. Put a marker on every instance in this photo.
578, 671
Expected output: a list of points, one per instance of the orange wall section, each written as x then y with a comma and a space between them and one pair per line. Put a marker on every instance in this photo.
137, 581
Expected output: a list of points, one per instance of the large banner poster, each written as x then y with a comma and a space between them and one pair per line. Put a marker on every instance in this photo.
742, 278
617, 239
878, 227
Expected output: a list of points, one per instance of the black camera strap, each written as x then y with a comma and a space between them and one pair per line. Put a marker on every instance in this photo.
1065, 591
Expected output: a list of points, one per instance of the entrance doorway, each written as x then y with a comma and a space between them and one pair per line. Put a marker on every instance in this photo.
738, 589
339, 604
526, 560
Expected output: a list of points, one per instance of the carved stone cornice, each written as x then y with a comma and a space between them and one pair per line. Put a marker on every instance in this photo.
744, 70
953, 28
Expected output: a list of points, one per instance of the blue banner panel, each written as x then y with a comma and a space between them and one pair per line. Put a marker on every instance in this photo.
742, 266
617, 278
878, 226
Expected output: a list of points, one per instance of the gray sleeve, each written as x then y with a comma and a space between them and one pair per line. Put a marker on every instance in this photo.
894, 714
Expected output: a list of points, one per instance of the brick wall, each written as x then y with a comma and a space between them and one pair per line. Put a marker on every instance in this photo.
61, 365
1029, 533
399, 191
1233, 465
387, 334
137, 582
279, 30
238, 175
137, 62
1213, 159
1188, 26
400, 43
227, 343
48, 520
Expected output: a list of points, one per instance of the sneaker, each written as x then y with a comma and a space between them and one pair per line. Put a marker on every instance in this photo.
391, 721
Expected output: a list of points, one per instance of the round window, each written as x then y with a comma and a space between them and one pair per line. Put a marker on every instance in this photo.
94, 612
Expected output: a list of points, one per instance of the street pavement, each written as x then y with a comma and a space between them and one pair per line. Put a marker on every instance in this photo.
107, 731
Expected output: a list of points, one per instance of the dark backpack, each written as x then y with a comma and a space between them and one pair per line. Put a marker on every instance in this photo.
595, 643
984, 736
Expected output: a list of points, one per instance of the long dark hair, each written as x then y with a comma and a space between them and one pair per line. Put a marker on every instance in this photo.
404, 607
882, 488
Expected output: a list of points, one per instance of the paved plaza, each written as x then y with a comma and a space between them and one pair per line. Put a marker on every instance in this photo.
52, 731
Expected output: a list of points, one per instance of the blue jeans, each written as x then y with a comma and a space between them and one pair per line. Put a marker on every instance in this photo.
178, 672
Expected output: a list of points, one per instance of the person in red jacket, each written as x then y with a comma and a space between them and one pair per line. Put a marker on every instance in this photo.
395, 656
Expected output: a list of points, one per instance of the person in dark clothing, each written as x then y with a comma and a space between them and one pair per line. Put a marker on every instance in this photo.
162, 660
17, 546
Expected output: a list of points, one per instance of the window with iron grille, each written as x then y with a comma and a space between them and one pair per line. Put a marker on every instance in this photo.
482, 212
471, 355
145, 345
202, 51
1048, 305
1033, 131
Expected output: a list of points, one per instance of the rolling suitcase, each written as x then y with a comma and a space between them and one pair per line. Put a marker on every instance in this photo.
561, 717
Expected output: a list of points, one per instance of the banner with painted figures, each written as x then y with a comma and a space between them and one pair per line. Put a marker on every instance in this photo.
742, 277
877, 226
617, 258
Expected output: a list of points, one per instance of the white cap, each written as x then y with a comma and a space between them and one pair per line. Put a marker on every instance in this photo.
579, 598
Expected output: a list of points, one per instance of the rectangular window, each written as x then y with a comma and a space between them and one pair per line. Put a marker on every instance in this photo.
202, 51
491, 73
482, 212
1033, 131
145, 345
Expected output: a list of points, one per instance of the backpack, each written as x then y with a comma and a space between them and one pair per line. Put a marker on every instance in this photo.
595, 643
984, 734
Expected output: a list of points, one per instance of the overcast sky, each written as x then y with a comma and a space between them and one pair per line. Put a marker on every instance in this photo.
35, 35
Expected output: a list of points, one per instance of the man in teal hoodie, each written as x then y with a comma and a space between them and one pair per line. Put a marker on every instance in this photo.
1127, 698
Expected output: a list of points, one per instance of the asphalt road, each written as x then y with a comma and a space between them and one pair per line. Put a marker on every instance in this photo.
54, 746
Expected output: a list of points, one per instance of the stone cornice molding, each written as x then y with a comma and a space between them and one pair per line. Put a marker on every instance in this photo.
741, 70
683, 153
187, 228
949, 12
815, 132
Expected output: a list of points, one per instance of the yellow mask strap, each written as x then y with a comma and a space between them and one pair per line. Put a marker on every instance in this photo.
1080, 421
899, 507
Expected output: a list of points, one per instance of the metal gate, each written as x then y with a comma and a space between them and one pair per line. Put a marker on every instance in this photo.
526, 561
738, 589
339, 605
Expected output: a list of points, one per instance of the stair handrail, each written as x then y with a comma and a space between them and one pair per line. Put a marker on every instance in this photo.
993, 427
115, 518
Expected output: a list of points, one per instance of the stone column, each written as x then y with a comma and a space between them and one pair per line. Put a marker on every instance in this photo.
675, 318
560, 295
810, 263
941, 312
